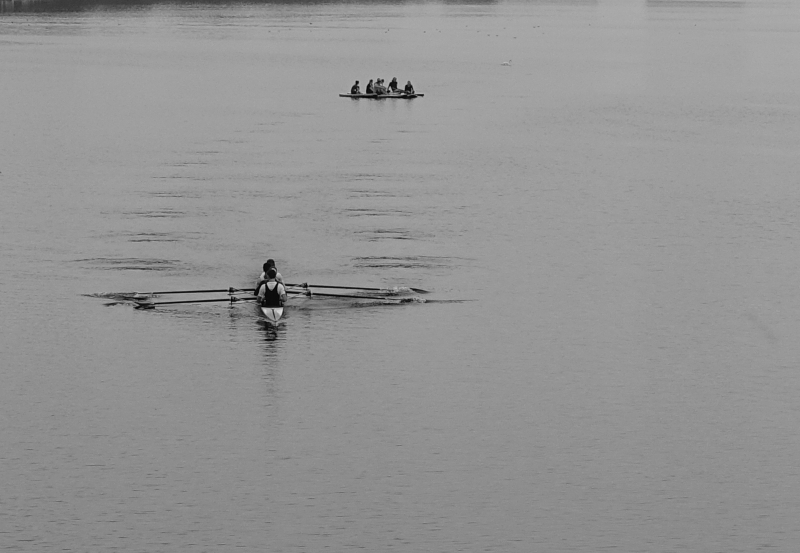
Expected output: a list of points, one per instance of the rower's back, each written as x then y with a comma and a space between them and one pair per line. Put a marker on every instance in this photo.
270, 292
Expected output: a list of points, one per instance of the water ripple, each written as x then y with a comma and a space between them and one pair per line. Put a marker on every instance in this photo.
410, 262
131, 264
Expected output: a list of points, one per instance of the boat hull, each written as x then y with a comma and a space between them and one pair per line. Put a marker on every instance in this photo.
271, 314
381, 96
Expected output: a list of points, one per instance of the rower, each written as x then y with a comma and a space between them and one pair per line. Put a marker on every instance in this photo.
409, 89
271, 293
369, 89
355, 89
269, 264
379, 88
393, 84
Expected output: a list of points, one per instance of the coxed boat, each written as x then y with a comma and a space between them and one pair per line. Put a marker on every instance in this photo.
402, 96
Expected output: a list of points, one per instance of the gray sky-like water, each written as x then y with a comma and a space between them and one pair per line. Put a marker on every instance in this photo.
616, 208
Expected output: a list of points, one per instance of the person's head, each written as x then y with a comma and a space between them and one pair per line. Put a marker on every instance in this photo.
266, 267
409, 82
270, 262
356, 82
272, 273
370, 80
394, 79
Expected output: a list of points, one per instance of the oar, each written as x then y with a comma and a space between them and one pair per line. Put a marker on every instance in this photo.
417, 290
343, 296
147, 304
226, 290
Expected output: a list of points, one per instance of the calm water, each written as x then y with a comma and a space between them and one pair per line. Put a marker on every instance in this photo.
618, 209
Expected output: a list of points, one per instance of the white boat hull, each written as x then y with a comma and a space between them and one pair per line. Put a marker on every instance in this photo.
272, 314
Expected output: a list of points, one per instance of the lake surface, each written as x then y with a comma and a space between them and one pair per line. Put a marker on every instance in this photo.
608, 228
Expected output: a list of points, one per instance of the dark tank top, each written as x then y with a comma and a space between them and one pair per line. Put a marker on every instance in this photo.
271, 297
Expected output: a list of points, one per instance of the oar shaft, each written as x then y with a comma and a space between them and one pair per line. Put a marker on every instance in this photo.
154, 303
225, 290
354, 288
339, 287
187, 292
344, 296
234, 290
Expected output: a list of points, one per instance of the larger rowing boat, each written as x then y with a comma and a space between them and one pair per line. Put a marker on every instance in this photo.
400, 96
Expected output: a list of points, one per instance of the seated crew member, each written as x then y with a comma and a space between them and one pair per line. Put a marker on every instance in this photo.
379, 88
269, 264
393, 84
355, 89
271, 293
409, 89
369, 89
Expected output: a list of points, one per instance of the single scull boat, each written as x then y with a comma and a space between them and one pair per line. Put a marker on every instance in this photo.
297, 293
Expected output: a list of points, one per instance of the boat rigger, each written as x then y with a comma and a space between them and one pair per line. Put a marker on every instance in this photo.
273, 314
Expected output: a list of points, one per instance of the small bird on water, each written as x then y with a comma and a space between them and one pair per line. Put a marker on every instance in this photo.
506, 62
